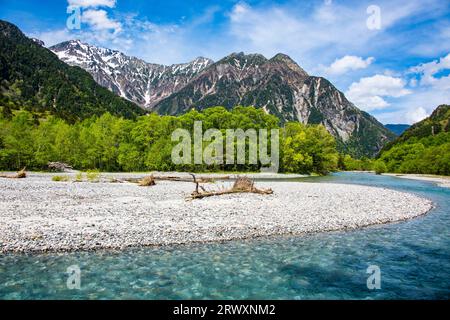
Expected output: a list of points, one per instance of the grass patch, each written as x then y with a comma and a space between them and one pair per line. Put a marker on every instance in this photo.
93, 175
60, 178
79, 177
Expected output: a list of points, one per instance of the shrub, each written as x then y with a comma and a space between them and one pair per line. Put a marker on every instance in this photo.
60, 178
79, 177
379, 167
93, 175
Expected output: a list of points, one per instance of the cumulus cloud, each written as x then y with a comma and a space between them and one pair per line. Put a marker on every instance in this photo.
96, 20
92, 3
99, 20
369, 93
416, 114
427, 72
348, 63
318, 31
431, 89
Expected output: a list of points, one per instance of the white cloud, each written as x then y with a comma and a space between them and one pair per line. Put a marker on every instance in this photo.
348, 63
369, 93
320, 31
429, 91
407, 115
92, 3
416, 115
427, 72
99, 20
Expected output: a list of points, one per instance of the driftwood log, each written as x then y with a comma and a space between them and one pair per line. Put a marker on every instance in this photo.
199, 180
182, 179
19, 175
241, 185
147, 181
59, 166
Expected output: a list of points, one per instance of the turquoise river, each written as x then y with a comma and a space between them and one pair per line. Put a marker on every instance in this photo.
413, 257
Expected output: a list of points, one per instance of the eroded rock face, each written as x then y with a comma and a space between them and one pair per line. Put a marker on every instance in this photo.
278, 85
134, 79
284, 89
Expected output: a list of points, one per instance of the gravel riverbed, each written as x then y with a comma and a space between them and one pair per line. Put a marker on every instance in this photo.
38, 214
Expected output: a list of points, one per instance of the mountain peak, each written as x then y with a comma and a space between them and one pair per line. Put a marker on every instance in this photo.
8, 29
239, 59
281, 57
39, 42
200, 58
67, 92
284, 58
202, 61
279, 86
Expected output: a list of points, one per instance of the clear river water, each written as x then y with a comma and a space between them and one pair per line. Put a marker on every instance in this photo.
413, 257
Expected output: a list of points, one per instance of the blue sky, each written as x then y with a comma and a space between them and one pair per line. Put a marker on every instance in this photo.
391, 58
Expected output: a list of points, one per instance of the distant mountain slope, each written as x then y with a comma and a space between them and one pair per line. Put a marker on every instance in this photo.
438, 121
278, 85
284, 89
134, 79
398, 129
32, 77
423, 148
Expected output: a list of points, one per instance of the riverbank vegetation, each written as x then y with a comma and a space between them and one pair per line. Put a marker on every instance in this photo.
111, 143
424, 148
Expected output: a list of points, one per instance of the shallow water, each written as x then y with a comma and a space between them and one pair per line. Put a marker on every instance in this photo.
413, 256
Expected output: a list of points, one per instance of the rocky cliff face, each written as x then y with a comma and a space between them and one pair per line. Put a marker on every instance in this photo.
134, 79
278, 85
283, 88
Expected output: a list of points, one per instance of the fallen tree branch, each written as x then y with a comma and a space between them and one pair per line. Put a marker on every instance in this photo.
199, 180
21, 174
241, 185
59, 167
147, 181
181, 179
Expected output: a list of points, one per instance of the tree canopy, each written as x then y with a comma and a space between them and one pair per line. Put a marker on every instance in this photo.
112, 143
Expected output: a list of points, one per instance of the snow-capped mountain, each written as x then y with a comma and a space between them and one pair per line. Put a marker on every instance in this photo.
278, 85
282, 88
134, 79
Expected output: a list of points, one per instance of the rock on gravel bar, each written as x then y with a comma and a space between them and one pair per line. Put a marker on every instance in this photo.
38, 214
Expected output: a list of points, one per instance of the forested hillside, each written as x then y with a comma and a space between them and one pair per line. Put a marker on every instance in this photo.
34, 79
111, 143
423, 148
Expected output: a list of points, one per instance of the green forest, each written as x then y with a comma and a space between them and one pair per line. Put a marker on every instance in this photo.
112, 143
420, 155
423, 148
34, 79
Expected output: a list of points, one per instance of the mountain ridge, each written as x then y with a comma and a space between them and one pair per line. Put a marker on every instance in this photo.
32, 77
423, 148
438, 121
278, 85
130, 77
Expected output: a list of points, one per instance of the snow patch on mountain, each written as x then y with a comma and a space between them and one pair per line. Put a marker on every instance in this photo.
134, 79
